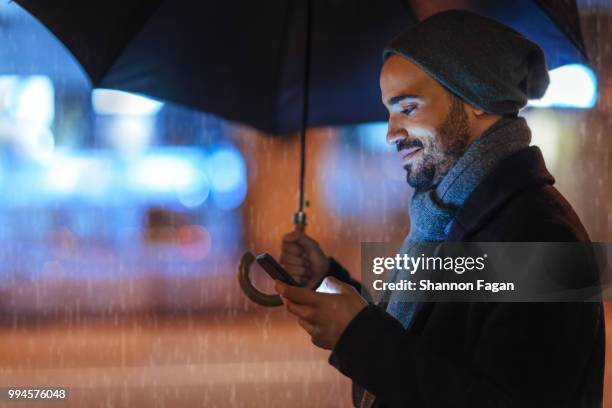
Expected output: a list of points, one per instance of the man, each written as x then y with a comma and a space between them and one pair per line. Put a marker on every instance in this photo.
453, 85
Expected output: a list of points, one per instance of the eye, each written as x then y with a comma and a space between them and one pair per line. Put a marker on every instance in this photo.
407, 110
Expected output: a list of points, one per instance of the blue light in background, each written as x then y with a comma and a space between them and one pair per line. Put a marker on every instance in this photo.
164, 175
227, 171
36, 100
229, 200
131, 170
373, 136
359, 171
168, 171
29, 98
571, 86
27, 111
128, 135
63, 173
197, 195
82, 174
113, 102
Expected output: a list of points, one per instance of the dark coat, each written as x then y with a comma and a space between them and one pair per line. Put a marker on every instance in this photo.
486, 354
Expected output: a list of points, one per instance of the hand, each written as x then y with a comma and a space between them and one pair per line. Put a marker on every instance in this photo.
323, 315
303, 258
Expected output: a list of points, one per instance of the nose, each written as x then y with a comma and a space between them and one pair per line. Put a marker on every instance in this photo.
395, 134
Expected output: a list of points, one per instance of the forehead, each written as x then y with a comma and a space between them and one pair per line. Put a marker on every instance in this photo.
401, 76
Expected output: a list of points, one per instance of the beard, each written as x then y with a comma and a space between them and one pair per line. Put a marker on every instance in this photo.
449, 143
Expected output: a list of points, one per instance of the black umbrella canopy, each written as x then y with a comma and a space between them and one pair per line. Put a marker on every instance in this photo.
245, 60
241, 60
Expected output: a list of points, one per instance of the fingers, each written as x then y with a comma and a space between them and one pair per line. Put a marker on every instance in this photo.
292, 236
300, 275
299, 295
296, 262
301, 239
288, 259
297, 267
310, 328
306, 313
293, 249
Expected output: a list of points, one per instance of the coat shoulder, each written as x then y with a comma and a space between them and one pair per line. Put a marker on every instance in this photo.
536, 214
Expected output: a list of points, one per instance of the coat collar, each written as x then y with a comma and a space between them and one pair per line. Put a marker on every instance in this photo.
514, 174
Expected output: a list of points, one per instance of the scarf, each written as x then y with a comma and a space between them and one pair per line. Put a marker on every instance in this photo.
432, 211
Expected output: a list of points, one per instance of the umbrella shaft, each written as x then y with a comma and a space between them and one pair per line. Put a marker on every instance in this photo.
305, 102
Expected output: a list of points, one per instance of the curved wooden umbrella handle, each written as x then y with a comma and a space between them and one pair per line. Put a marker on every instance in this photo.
244, 270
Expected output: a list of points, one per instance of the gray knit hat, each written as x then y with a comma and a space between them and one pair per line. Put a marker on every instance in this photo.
485, 63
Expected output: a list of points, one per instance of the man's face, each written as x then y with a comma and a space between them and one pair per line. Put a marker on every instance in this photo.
427, 123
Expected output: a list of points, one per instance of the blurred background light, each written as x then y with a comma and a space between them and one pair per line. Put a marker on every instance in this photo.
545, 132
227, 171
35, 100
29, 98
165, 171
79, 173
63, 173
194, 242
226, 167
82, 170
27, 110
34, 141
197, 195
230, 200
112, 102
129, 135
571, 86
373, 136
8, 93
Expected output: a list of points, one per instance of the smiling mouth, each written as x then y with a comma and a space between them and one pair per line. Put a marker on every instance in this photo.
410, 152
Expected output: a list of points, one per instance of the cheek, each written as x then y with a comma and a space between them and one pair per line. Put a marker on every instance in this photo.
421, 127
421, 132
418, 127
426, 135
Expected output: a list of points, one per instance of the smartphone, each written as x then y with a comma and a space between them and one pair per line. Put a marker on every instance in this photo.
274, 269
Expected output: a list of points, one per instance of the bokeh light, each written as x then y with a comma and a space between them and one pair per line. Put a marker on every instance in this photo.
571, 86
113, 102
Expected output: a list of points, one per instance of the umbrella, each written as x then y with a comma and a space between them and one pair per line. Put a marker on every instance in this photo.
278, 65
245, 60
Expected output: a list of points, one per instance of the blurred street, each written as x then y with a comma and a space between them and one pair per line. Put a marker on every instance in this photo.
249, 360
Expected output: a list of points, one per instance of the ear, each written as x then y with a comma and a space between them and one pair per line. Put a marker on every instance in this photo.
478, 112
472, 110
